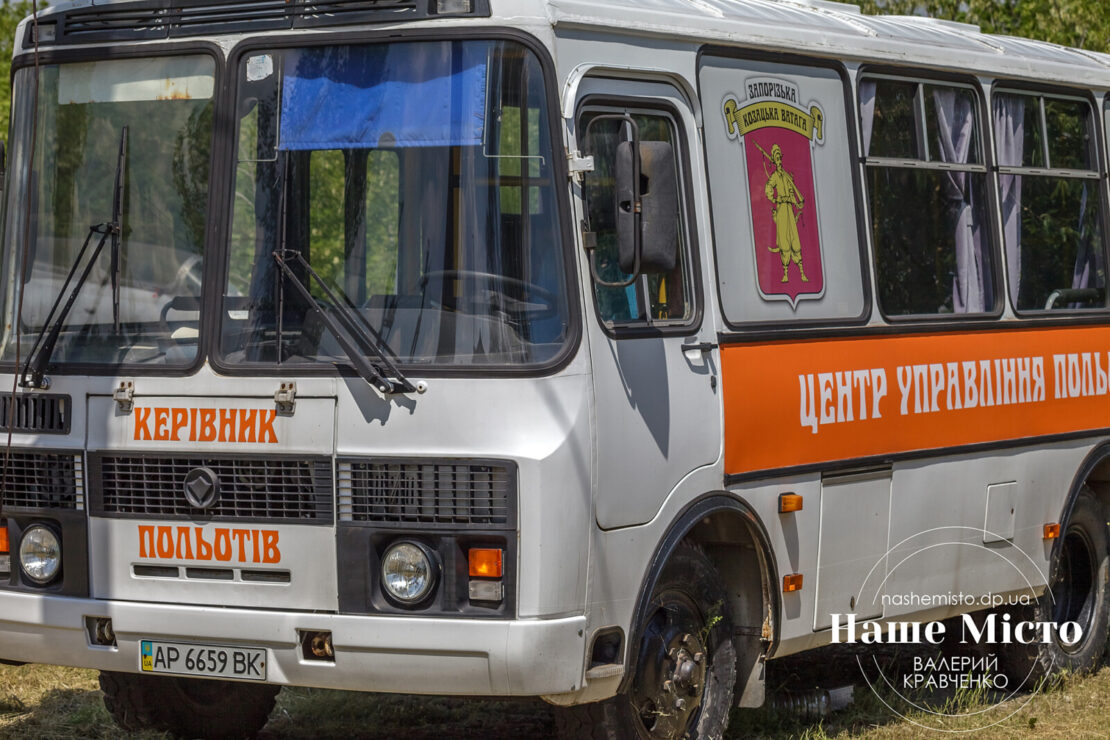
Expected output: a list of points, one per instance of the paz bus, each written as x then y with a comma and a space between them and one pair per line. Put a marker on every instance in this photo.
594, 351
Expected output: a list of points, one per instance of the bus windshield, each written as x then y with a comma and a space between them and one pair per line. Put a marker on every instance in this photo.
412, 182
146, 125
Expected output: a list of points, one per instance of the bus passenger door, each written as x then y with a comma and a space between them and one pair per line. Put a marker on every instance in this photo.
657, 412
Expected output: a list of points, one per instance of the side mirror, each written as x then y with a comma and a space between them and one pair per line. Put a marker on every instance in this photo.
654, 197
645, 193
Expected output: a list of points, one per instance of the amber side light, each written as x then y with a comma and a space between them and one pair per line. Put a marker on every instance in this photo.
4, 547
791, 583
789, 502
485, 563
1051, 531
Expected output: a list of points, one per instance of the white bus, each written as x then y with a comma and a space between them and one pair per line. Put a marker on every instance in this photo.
598, 351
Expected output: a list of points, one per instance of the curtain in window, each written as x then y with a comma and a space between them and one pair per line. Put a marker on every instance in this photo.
1088, 253
971, 288
388, 95
1009, 137
867, 113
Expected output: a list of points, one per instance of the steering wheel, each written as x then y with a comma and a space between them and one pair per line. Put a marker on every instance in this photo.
549, 301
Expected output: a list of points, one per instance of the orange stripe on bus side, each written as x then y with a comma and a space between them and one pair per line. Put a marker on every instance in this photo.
817, 401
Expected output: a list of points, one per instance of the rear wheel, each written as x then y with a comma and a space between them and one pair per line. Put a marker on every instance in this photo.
686, 669
187, 707
1078, 592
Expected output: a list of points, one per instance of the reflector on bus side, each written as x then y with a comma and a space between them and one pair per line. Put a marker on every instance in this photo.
789, 502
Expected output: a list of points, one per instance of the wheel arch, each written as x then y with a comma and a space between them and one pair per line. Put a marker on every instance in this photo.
733, 536
1094, 473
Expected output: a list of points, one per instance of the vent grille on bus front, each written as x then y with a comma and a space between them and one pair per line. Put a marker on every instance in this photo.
154, 19
318, 7
427, 493
43, 480
37, 414
248, 488
149, 20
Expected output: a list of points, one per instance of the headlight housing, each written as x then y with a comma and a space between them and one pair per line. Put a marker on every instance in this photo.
409, 573
40, 554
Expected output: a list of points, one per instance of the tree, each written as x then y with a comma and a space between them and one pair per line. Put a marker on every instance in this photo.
1080, 23
11, 13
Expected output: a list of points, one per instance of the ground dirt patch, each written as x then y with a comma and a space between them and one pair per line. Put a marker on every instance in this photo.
64, 703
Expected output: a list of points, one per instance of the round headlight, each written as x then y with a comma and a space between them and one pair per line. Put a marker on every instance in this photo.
409, 572
40, 554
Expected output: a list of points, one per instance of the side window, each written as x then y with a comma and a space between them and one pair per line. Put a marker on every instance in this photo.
654, 298
783, 192
927, 192
1050, 190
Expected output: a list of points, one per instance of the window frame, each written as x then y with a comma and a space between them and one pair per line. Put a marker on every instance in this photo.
984, 167
212, 247
224, 367
757, 330
600, 103
1037, 91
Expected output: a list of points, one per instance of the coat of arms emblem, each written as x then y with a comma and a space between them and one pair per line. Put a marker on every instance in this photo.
777, 137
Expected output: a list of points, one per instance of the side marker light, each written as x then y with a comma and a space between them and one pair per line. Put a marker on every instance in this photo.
792, 583
789, 502
1051, 531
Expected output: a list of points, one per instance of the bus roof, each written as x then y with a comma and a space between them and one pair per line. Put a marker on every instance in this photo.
840, 31
816, 27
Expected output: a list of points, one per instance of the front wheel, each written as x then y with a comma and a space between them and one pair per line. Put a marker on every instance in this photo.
187, 707
686, 666
1078, 592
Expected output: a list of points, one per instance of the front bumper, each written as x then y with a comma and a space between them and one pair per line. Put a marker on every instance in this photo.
386, 654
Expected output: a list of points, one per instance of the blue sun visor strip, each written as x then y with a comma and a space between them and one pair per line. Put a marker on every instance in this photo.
386, 95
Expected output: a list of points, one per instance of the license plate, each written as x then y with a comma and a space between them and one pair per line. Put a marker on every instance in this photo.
191, 659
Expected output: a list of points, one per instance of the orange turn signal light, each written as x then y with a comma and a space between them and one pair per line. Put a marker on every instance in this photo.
4, 547
791, 583
789, 502
1051, 531
485, 563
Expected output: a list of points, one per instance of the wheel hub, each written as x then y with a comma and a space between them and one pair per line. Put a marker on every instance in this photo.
668, 703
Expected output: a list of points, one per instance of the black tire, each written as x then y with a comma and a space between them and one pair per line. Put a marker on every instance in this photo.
187, 707
1078, 592
686, 670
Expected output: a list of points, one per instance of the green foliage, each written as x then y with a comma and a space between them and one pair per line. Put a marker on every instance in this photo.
329, 224
1080, 23
11, 13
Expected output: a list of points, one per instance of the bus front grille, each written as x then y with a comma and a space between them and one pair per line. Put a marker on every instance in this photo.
428, 493
247, 488
42, 480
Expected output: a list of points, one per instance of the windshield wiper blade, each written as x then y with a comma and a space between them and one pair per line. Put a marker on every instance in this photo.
392, 381
34, 370
35, 367
117, 221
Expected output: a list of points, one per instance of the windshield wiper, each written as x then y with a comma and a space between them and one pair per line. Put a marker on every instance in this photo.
43, 348
33, 375
117, 221
390, 381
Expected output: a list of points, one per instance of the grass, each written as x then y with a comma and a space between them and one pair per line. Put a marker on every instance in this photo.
63, 703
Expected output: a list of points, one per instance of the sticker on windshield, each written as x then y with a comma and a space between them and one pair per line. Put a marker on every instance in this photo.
259, 67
